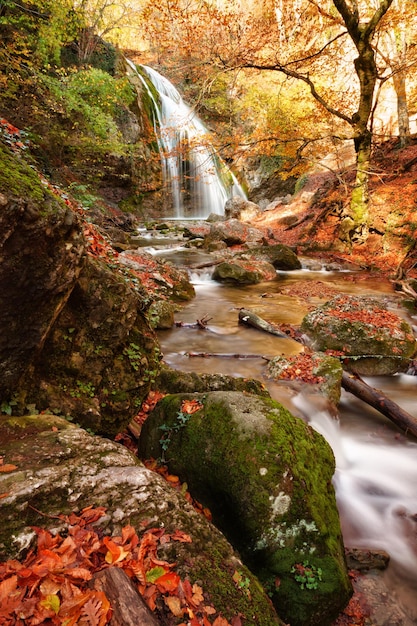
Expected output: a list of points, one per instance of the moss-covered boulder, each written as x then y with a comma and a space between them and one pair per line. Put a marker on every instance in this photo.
244, 271
59, 468
375, 340
321, 371
281, 256
267, 478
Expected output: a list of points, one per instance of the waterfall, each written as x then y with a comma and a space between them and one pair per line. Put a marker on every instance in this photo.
197, 181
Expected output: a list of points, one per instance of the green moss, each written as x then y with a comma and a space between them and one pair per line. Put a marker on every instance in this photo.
17, 178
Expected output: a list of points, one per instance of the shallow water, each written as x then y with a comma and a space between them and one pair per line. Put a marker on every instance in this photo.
376, 464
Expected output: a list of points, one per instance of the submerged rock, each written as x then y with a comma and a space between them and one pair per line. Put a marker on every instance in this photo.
376, 341
61, 468
266, 477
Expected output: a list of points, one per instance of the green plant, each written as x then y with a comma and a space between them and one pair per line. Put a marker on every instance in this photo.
165, 440
308, 576
83, 389
134, 354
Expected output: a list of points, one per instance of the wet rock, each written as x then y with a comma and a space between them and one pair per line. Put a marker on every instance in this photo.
364, 560
244, 272
233, 232
317, 369
61, 468
174, 381
266, 477
281, 256
378, 341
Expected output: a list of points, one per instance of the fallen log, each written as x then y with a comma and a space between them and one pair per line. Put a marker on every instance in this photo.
251, 319
378, 400
350, 382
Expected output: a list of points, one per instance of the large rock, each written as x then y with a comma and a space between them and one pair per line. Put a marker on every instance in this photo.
266, 476
75, 337
375, 340
240, 271
233, 232
61, 468
241, 209
280, 255
98, 361
42, 251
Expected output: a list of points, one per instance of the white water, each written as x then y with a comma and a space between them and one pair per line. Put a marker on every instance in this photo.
197, 181
376, 464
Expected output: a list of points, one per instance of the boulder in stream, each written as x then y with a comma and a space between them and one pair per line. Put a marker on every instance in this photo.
60, 469
374, 340
244, 271
267, 478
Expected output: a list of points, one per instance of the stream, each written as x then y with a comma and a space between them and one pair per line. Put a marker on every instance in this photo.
376, 464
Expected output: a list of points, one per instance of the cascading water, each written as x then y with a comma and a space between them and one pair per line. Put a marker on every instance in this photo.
196, 179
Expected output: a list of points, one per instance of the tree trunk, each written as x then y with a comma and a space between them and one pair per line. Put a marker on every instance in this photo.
359, 203
402, 108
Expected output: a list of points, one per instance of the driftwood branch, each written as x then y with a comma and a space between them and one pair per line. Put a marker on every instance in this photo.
202, 323
226, 355
353, 384
251, 319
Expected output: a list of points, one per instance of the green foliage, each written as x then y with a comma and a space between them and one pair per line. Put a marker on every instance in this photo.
135, 356
308, 576
92, 97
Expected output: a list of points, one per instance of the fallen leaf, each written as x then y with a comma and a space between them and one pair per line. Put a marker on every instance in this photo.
179, 535
174, 605
168, 582
8, 467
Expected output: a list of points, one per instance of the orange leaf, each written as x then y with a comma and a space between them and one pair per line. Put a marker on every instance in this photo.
168, 582
80, 573
190, 406
4, 495
115, 553
8, 467
7, 587
197, 595
220, 621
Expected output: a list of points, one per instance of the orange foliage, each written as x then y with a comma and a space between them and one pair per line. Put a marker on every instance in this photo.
50, 586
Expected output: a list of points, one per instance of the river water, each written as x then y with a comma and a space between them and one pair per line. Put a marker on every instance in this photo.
376, 464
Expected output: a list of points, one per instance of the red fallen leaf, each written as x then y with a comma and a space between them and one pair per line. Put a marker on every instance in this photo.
149, 595
4, 495
168, 583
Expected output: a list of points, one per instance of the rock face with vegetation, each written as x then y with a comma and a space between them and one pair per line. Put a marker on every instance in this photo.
375, 341
266, 476
55, 468
78, 339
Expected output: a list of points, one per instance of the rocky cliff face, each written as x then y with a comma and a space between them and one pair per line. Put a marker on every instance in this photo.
76, 337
